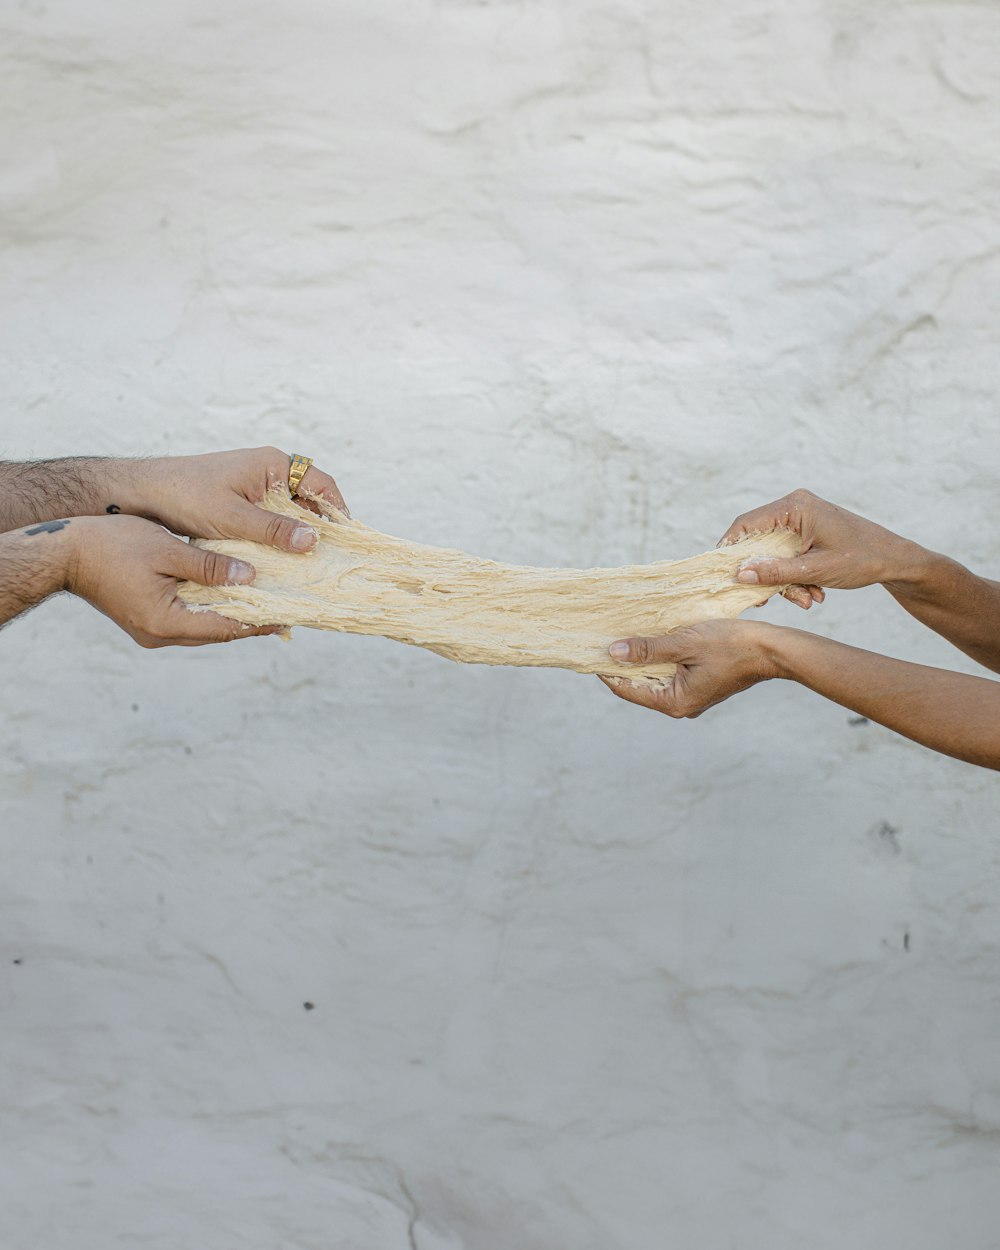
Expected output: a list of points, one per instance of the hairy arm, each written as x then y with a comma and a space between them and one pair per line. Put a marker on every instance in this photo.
129, 568
44, 490
209, 496
125, 567
948, 712
33, 565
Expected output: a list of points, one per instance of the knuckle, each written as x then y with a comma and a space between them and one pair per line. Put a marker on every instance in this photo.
276, 530
642, 650
216, 568
272, 463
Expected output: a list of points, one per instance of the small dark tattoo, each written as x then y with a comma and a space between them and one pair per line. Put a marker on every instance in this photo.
47, 527
113, 509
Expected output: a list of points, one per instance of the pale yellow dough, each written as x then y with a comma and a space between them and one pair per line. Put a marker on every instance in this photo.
360, 581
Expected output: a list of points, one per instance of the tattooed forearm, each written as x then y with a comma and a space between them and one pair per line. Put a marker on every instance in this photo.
42, 490
31, 571
47, 527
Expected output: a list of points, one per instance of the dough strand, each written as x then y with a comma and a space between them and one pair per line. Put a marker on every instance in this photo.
358, 580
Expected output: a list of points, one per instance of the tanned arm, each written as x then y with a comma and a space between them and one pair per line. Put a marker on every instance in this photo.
948, 712
844, 551
952, 713
956, 603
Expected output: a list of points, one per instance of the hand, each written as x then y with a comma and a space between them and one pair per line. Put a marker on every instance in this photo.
216, 496
839, 549
128, 569
714, 660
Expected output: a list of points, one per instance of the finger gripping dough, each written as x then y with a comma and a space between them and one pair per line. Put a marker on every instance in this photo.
360, 581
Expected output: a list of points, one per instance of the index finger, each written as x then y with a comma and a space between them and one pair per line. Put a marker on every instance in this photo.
760, 521
190, 628
656, 698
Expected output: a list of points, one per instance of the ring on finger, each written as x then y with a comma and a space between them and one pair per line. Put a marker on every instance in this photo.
297, 472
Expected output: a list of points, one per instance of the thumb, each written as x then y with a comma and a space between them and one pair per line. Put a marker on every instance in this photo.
664, 650
801, 571
257, 525
210, 568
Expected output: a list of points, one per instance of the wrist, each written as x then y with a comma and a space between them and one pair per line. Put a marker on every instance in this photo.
52, 548
779, 648
75, 540
909, 567
125, 486
34, 563
765, 649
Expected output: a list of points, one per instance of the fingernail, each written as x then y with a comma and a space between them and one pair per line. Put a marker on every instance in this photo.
748, 576
618, 650
303, 538
240, 574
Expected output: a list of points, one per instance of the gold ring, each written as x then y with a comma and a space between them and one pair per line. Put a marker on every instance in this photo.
297, 472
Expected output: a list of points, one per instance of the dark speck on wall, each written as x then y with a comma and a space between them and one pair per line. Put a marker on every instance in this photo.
906, 941
857, 720
309, 1006
17, 961
887, 837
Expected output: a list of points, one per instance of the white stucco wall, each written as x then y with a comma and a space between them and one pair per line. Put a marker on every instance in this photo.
560, 282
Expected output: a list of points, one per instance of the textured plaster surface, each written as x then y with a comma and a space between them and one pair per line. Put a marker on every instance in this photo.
558, 283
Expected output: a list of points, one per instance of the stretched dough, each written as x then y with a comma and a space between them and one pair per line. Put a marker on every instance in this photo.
476, 611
